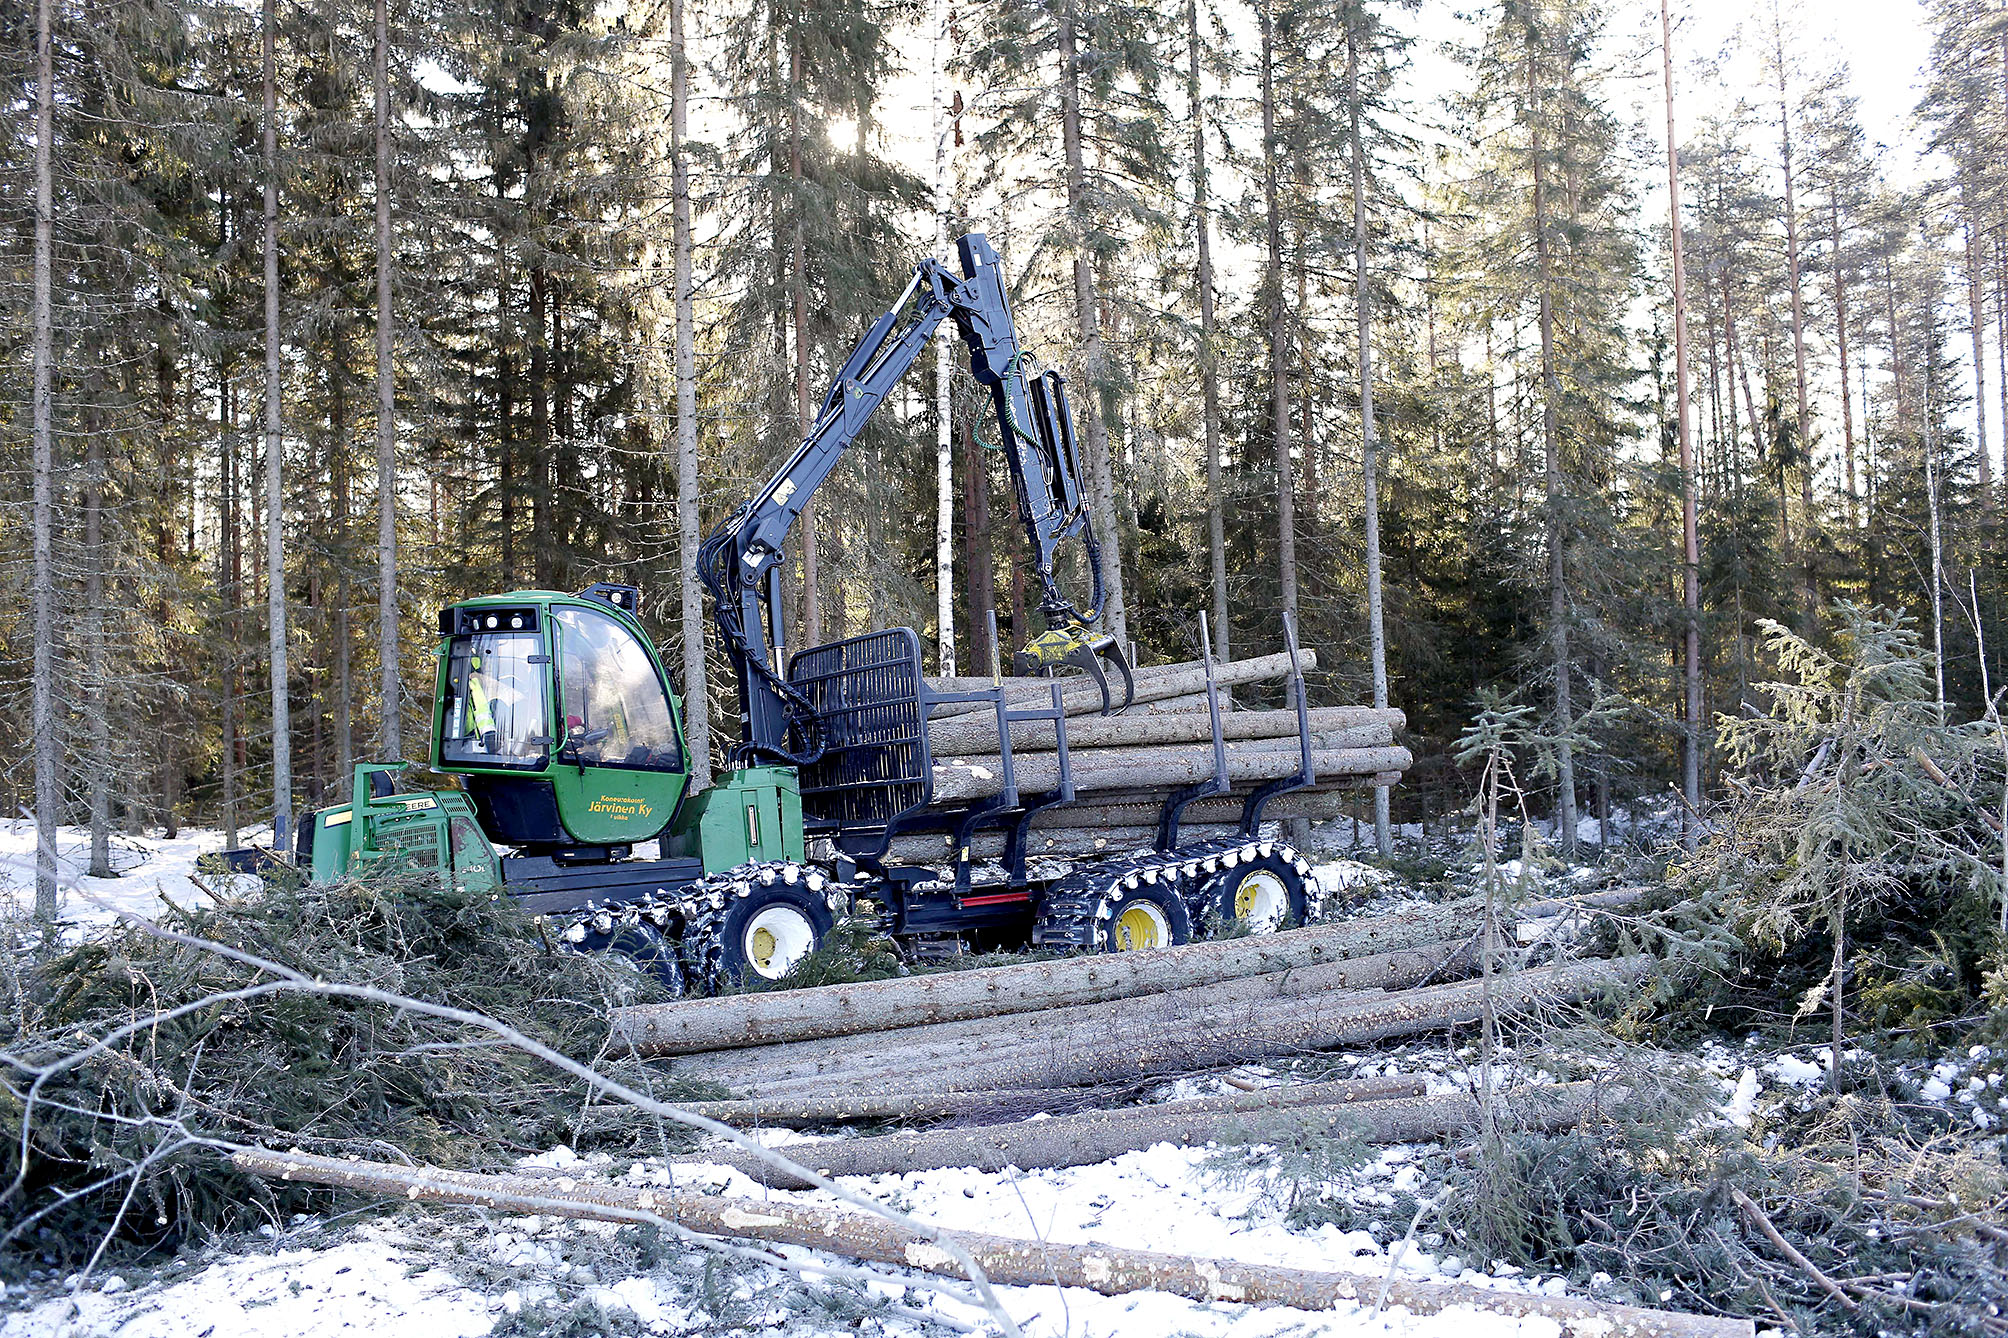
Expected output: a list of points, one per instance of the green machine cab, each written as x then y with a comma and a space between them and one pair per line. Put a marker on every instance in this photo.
557, 713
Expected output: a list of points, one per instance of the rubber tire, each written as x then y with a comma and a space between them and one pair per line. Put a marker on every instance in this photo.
1215, 902
734, 967
1162, 894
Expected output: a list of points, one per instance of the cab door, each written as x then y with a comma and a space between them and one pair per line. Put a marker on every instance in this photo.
618, 770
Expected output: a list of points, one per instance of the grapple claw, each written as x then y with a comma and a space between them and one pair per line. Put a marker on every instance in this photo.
1076, 647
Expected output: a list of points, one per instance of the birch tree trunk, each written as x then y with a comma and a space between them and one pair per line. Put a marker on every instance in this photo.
1279, 349
391, 688
1088, 320
696, 696
1551, 441
42, 709
1369, 444
1209, 362
1690, 544
944, 431
275, 528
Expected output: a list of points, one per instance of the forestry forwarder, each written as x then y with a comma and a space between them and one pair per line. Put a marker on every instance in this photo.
562, 741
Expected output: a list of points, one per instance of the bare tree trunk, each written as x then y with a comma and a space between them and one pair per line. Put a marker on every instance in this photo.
798, 296
345, 691
1551, 440
1805, 416
275, 526
391, 690
978, 562
1979, 324
1369, 439
97, 720
1279, 347
1690, 543
696, 696
1088, 319
1209, 361
42, 709
227, 587
541, 476
1841, 335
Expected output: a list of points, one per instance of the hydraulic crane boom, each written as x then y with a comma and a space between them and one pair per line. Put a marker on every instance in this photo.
740, 562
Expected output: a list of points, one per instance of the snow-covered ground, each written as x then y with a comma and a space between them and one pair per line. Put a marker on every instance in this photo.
449, 1273
149, 868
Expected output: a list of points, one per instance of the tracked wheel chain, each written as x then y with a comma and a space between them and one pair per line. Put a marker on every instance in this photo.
1075, 915
694, 913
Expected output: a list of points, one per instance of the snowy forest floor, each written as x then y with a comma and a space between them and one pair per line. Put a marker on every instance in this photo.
467, 1272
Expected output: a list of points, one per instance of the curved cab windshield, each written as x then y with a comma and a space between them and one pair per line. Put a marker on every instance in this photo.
495, 713
617, 711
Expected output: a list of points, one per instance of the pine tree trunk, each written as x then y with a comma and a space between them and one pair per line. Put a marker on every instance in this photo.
696, 694
1690, 542
1279, 347
42, 709
1369, 440
1088, 321
1805, 416
390, 692
1551, 396
275, 515
1209, 359
798, 298
979, 569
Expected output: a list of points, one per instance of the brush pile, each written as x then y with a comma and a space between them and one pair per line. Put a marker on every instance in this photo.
1123, 765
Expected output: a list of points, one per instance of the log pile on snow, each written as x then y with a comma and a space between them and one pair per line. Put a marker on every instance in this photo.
1102, 1022
1162, 743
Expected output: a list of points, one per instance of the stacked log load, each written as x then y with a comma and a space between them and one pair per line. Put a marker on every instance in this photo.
1123, 765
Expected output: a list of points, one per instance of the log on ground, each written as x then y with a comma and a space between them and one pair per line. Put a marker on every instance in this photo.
1009, 1261
1150, 1020
808, 1112
769, 1017
1209, 1037
1099, 1135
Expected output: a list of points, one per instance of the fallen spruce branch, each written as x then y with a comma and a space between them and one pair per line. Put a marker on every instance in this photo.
1166, 1012
1099, 1135
805, 1112
1014, 1262
1204, 1038
774, 1016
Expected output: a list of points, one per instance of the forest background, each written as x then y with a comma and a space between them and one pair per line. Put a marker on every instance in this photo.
322, 314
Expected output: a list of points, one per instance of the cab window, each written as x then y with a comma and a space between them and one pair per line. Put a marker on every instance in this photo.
496, 714
617, 711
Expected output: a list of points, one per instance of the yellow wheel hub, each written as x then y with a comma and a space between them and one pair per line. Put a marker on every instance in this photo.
1141, 927
763, 948
1261, 901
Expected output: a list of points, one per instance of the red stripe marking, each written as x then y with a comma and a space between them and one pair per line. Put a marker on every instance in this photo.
995, 898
